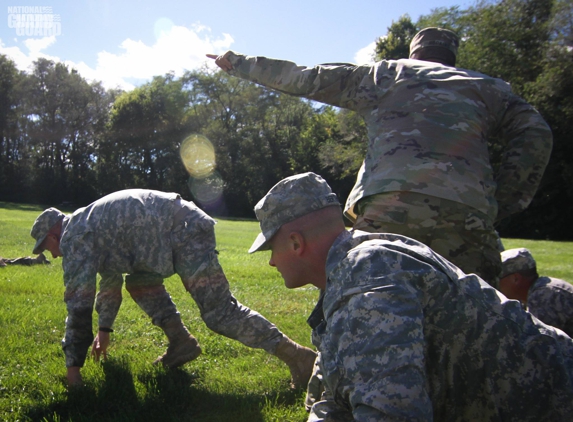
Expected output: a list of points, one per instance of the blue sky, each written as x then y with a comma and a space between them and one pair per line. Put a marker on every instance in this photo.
124, 43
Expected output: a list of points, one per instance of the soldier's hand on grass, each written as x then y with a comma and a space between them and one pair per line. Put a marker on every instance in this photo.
222, 61
100, 345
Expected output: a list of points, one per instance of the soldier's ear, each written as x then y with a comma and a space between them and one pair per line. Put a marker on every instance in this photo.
297, 242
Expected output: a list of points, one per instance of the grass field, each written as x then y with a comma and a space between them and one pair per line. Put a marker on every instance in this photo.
228, 382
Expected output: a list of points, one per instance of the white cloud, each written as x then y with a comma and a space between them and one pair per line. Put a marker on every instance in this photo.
23, 60
176, 49
364, 55
35, 45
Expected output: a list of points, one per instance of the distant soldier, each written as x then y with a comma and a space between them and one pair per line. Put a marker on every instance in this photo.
26, 260
427, 172
150, 235
548, 298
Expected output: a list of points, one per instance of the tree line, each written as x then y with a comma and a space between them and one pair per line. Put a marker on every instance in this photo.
65, 140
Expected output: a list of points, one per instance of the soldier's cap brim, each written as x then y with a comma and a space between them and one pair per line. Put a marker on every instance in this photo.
261, 243
290, 199
37, 248
45, 221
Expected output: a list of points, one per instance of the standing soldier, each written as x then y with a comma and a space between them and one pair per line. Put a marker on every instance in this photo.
427, 173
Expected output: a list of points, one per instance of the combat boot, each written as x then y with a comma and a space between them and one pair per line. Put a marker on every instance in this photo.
183, 347
299, 359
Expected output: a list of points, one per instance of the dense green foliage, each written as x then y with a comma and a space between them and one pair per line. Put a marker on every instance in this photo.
65, 140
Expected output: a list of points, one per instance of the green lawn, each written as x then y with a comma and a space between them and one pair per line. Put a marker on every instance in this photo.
228, 382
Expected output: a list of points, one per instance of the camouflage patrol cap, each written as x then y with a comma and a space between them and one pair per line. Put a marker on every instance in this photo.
43, 224
516, 260
435, 37
288, 200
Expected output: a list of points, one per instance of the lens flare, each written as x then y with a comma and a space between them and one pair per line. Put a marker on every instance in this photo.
207, 190
198, 155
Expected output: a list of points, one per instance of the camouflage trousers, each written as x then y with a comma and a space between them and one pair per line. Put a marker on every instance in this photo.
196, 261
459, 233
148, 291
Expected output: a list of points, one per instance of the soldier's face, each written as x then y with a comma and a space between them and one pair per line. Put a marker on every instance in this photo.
284, 258
508, 286
52, 244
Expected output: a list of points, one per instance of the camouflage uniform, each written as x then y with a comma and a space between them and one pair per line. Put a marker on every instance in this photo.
405, 335
428, 127
549, 299
25, 260
149, 235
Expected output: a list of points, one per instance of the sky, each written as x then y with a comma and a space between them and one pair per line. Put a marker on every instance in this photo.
124, 43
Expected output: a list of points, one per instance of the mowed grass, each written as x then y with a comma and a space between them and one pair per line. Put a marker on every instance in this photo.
228, 382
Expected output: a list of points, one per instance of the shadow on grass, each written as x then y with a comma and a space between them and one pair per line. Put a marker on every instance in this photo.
169, 396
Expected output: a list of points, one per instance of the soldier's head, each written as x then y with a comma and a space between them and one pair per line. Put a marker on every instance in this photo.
47, 230
435, 45
299, 217
519, 272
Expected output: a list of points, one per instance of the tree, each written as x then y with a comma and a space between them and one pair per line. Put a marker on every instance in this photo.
258, 134
507, 40
342, 152
62, 138
59, 118
14, 164
145, 128
549, 215
451, 18
396, 44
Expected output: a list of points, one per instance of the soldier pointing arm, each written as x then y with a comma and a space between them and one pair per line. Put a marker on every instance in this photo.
426, 173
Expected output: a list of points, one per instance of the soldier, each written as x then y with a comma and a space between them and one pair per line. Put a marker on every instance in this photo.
402, 333
426, 173
150, 235
548, 298
25, 260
